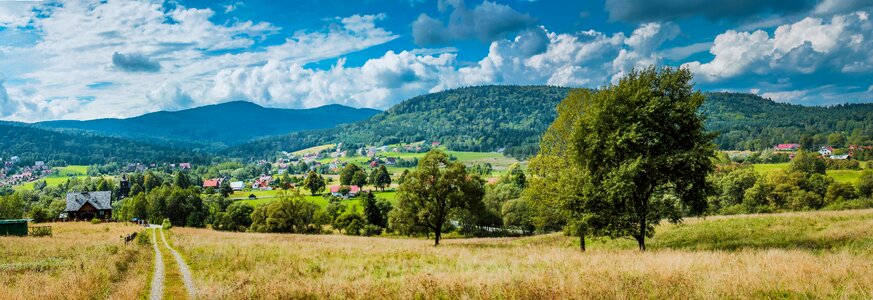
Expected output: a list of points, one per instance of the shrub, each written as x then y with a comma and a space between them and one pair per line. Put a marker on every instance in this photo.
166, 224
142, 238
95, 221
371, 230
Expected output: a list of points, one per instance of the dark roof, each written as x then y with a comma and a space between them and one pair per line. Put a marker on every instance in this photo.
100, 200
13, 221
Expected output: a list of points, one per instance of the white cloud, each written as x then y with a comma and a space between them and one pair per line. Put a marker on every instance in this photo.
843, 44
84, 42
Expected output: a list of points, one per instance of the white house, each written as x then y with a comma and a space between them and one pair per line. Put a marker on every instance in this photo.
237, 185
826, 151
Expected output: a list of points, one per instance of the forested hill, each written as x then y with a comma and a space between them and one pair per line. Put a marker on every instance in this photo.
219, 125
484, 118
32, 144
749, 122
488, 118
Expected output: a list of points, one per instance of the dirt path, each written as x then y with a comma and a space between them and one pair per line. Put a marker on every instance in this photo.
183, 269
158, 278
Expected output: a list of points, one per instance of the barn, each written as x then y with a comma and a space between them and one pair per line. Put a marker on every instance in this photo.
89, 205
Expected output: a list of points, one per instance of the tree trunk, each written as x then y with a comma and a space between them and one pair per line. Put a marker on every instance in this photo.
582, 242
641, 240
436, 239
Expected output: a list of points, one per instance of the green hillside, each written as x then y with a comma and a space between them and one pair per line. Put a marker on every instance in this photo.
32, 144
489, 118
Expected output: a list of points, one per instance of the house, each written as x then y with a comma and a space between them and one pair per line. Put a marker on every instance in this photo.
434, 144
185, 166
826, 151
213, 183
252, 197
89, 205
353, 191
391, 161
374, 163
787, 147
840, 157
237, 185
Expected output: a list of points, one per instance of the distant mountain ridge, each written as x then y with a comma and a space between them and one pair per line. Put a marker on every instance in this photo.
218, 125
513, 118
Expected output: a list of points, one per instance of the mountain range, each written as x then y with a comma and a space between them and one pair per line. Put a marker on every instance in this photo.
219, 125
484, 118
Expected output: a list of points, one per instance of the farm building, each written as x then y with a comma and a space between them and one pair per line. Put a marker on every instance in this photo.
786, 147
89, 205
237, 185
213, 183
353, 191
13, 227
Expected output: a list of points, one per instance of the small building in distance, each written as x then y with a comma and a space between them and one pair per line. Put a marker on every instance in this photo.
13, 227
786, 147
237, 185
89, 205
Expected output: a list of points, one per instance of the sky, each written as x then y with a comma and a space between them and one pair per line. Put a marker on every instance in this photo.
100, 59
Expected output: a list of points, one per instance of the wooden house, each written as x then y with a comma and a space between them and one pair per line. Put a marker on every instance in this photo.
89, 205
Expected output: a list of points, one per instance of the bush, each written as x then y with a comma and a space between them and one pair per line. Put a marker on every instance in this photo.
95, 221
861, 203
371, 230
166, 224
142, 238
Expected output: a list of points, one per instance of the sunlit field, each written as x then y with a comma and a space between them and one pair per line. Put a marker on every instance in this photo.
848, 176
815, 255
80, 261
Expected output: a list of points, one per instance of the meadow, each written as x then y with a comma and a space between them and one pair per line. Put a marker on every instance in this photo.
790, 255
847, 176
80, 261
813, 254
60, 176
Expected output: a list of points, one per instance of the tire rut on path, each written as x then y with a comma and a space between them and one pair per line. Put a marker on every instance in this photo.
157, 290
183, 269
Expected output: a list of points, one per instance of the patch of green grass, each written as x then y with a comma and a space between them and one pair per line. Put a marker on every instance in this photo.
72, 171
850, 230
848, 176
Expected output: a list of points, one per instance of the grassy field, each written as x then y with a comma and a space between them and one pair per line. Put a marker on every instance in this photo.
849, 176
815, 255
80, 261
60, 176
810, 255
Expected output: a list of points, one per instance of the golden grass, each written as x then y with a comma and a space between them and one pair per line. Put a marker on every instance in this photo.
276, 266
81, 261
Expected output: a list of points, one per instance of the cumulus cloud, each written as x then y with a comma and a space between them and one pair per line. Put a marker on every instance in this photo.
647, 10
169, 96
827, 7
842, 44
486, 22
7, 107
124, 44
134, 63
535, 56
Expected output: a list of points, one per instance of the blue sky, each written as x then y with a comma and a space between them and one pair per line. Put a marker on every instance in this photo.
96, 59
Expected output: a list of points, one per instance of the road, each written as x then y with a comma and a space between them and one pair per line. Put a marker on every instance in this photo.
157, 288
158, 278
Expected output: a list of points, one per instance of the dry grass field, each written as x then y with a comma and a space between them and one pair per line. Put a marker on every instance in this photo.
833, 259
80, 261
782, 256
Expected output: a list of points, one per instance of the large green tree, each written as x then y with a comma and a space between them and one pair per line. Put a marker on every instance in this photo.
434, 191
643, 154
347, 174
555, 173
314, 183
